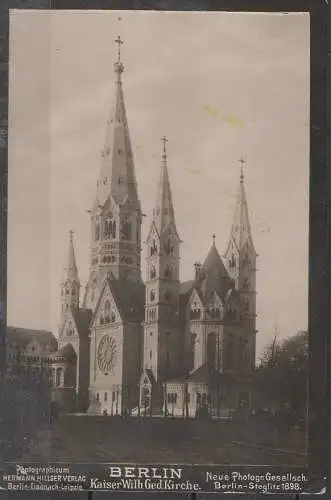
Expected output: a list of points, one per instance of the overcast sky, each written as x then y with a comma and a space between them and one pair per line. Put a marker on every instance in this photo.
221, 86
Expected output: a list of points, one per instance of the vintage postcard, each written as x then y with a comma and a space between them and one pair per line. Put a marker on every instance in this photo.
158, 249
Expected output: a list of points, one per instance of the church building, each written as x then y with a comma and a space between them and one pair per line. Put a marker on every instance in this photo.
128, 346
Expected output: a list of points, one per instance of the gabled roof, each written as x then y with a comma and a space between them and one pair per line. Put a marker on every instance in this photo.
129, 296
213, 276
205, 374
82, 318
23, 336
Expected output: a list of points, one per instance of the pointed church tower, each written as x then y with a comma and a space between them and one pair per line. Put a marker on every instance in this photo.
240, 259
70, 285
162, 354
116, 216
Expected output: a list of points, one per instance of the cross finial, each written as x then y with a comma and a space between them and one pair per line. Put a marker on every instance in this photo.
242, 163
119, 68
119, 42
164, 141
214, 238
71, 235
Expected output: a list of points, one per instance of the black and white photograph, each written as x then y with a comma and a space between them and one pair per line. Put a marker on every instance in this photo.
158, 225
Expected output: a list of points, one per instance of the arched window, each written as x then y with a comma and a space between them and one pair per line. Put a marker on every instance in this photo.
168, 248
192, 351
97, 396
152, 272
232, 262
153, 248
167, 272
211, 349
246, 284
113, 317
107, 226
229, 353
107, 311
70, 330
97, 229
105, 396
58, 377
152, 296
195, 312
126, 229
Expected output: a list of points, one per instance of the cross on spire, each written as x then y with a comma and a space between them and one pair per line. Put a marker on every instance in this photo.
164, 141
214, 238
242, 163
71, 235
119, 68
119, 42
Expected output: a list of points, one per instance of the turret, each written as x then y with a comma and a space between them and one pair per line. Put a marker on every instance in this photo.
71, 284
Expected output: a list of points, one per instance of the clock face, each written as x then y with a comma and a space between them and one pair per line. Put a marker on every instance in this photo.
107, 354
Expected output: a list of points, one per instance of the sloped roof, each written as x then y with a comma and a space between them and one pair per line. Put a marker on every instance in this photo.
129, 296
71, 270
23, 336
204, 374
186, 287
117, 177
213, 276
164, 214
66, 353
241, 228
82, 319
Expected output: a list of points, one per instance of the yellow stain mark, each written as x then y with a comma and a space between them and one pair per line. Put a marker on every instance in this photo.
210, 110
232, 120
306, 123
193, 170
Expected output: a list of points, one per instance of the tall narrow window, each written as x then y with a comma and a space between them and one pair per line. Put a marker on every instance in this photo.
126, 229
97, 229
152, 272
211, 349
167, 272
58, 377
107, 226
107, 311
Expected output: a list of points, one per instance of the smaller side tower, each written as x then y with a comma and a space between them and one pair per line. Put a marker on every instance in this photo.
240, 259
162, 340
70, 286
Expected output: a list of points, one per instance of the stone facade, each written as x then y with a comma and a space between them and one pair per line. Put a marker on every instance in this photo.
159, 346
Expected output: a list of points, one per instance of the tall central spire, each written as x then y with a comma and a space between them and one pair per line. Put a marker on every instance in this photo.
117, 177
164, 210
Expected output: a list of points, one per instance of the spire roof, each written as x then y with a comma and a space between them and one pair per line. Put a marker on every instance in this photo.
117, 176
241, 229
71, 271
164, 211
213, 276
